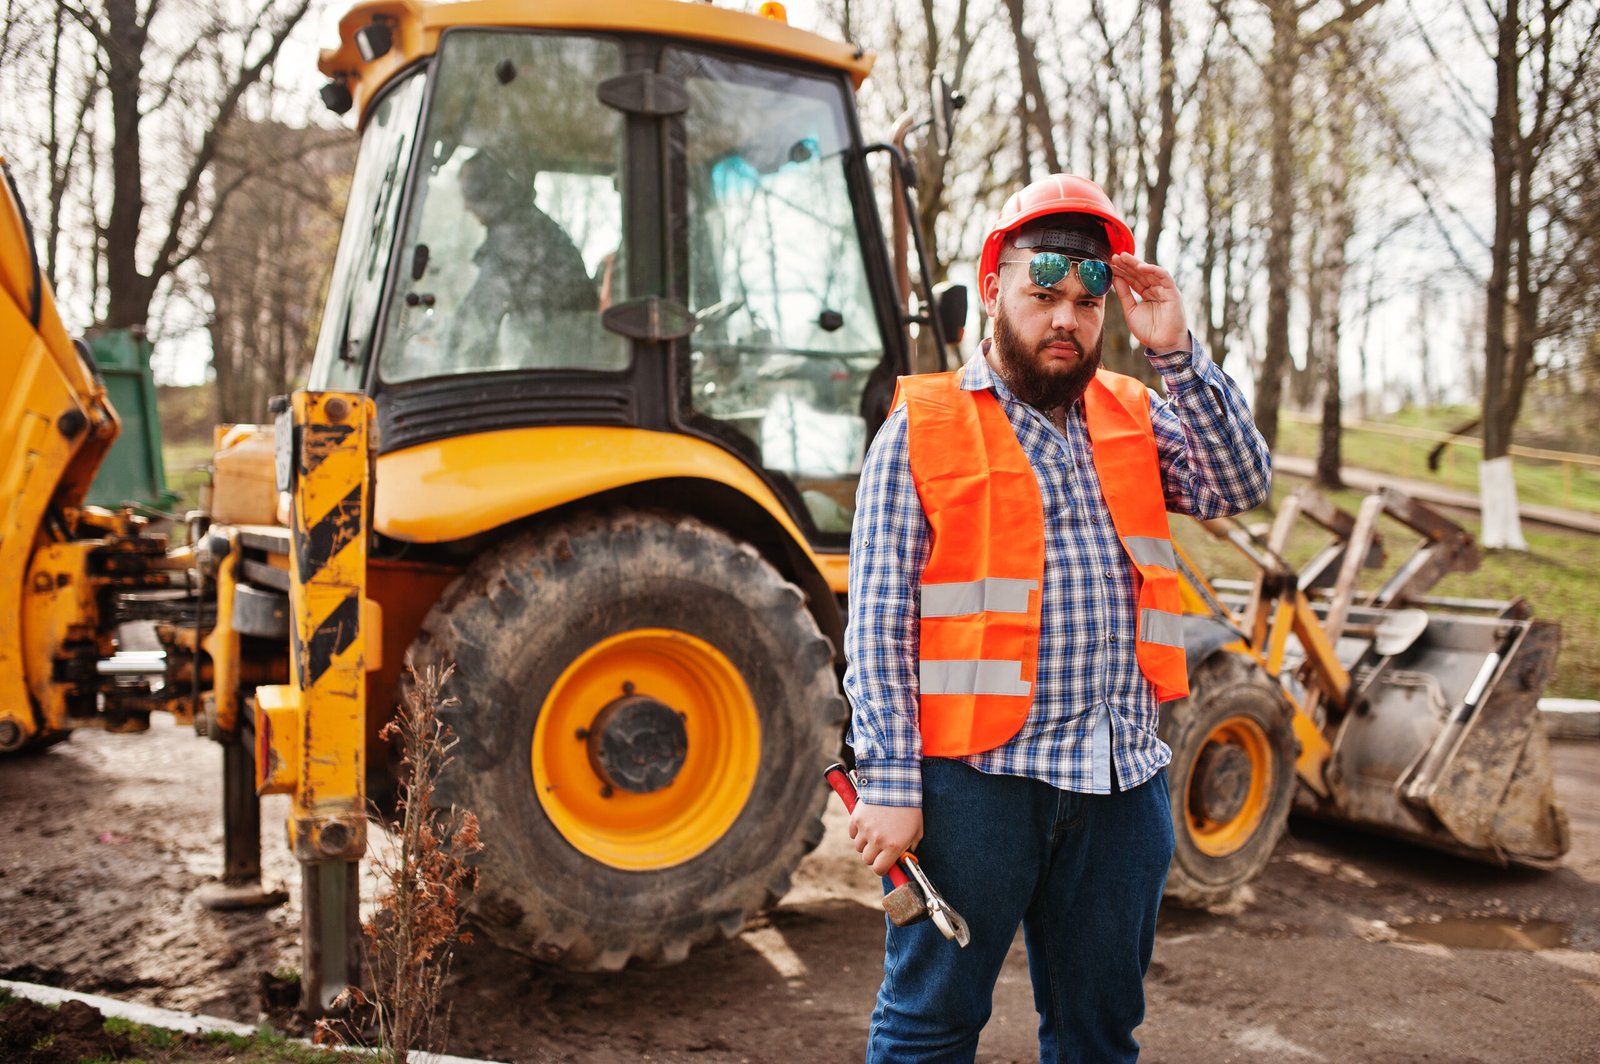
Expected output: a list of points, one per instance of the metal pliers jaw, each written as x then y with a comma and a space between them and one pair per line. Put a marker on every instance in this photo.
941, 912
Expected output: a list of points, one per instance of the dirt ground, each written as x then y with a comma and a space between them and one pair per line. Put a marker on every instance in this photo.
108, 837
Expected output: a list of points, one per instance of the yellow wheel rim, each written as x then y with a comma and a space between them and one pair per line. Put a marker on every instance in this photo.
1221, 834
675, 821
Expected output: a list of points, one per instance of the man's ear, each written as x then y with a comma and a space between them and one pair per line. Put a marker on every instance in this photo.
991, 294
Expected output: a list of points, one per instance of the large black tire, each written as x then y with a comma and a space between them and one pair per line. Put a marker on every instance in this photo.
1232, 778
533, 621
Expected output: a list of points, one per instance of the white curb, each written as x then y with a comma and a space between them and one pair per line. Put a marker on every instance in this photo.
1571, 718
188, 1022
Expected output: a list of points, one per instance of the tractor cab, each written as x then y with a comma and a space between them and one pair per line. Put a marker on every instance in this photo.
656, 218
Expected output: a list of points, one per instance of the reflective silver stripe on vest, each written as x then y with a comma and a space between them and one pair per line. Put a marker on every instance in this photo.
996, 594
1159, 626
973, 678
1150, 550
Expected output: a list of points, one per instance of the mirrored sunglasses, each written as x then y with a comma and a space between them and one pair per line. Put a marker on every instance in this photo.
1049, 268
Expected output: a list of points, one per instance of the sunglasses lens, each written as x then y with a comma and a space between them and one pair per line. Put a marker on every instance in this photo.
1095, 276
1048, 268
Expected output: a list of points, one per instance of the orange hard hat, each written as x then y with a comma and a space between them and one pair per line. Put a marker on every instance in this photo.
1056, 194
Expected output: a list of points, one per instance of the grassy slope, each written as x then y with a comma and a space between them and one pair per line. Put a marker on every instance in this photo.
1544, 483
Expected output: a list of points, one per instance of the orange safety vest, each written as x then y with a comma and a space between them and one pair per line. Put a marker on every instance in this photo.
983, 579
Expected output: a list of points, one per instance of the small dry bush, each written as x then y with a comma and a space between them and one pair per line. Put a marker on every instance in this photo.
425, 883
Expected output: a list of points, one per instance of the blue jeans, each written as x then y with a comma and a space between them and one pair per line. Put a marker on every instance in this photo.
1082, 874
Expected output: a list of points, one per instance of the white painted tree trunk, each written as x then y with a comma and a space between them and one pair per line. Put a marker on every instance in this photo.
1497, 494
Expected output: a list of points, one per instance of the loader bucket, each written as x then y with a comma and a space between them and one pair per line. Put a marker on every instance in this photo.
1444, 745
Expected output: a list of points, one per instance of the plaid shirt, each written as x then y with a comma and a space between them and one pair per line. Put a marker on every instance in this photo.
1092, 707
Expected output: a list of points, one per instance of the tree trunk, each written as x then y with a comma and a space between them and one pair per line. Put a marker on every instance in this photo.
1305, 382
1497, 485
129, 290
1035, 104
1122, 354
1280, 236
1221, 192
1337, 226
1160, 183
58, 173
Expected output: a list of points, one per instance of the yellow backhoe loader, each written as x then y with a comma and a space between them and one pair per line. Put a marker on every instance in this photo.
612, 321
1405, 714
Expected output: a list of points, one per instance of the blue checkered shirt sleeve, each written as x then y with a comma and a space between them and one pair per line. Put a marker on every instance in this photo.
1214, 462
888, 548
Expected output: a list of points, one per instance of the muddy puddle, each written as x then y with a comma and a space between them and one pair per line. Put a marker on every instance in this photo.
1488, 932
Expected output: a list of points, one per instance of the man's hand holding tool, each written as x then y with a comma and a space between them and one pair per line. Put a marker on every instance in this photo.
912, 896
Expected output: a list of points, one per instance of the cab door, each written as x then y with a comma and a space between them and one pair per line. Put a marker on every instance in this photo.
780, 257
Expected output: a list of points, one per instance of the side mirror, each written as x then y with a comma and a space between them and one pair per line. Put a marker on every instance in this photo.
336, 96
950, 303
946, 102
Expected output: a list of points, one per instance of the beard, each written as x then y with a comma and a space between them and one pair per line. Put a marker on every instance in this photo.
1032, 378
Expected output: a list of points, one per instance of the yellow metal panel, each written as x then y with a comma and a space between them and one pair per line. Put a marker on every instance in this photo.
448, 489
416, 27
1278, 640
30, 464
1315, 750
1335, 686
328, 574
371, 635
223, 644
278, 727
58, 605
17, 286
835, 570
42, 379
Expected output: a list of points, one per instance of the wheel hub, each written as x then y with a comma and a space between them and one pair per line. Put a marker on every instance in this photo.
637, 744
1221, 782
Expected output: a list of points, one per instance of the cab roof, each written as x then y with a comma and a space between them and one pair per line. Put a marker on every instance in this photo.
415, 27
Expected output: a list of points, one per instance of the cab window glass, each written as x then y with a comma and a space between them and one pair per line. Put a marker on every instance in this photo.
787, 336
371, 216
514, 243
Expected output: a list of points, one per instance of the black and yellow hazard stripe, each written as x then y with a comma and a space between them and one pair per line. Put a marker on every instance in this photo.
328, 576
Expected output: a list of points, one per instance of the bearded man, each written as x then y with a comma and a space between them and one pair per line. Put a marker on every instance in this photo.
1014, 623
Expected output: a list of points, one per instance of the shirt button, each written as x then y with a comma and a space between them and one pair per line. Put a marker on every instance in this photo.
1112, 637
1108, 574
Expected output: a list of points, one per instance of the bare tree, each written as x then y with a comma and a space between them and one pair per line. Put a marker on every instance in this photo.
947, 49
1291, 43
96, 85
1033, 103
1542, 58
122, 37
1337, 227
269, 258
1225, 170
